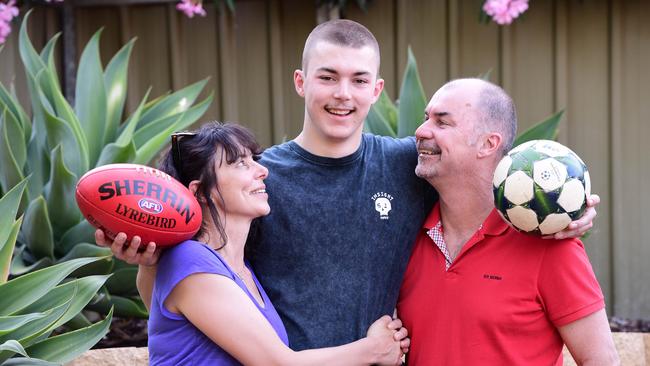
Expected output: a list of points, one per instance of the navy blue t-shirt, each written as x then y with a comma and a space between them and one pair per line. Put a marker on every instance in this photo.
332, 253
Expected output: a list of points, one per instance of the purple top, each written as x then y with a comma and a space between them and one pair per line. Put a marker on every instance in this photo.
173, 340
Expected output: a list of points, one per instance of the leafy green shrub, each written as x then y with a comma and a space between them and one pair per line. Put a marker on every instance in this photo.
60, 142
33, 305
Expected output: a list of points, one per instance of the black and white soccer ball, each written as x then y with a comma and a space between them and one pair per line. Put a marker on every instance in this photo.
540, 186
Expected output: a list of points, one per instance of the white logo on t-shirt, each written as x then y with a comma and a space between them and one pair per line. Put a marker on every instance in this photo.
382, 204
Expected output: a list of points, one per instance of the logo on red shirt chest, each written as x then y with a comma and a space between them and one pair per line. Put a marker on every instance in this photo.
492, 277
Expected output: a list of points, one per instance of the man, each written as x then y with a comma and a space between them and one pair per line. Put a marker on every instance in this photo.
345, 207
476, 291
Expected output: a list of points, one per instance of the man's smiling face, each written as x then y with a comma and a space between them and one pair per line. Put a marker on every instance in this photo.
446, 139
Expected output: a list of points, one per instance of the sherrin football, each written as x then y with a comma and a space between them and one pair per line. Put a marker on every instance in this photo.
540, 186
138, 200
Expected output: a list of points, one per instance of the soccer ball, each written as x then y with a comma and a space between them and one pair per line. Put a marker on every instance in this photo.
540, 186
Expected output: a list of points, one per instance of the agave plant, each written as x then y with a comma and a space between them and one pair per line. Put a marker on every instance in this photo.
34, 305
60, 142
402, 118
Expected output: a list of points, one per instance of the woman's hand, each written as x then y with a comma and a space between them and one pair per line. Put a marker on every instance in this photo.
131, 252
387, 335
401, 334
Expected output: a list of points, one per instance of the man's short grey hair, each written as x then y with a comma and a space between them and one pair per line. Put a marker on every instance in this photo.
340, 32
499, 113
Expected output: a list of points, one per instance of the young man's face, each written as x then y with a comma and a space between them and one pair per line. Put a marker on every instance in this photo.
339, 85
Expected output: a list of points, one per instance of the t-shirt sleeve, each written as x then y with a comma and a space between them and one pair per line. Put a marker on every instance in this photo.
567, 283
183, 260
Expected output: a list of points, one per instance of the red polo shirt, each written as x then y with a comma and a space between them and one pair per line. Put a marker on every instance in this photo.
500, 301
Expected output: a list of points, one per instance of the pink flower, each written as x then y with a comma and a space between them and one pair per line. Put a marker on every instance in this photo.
505, 11
7, 12
190, 8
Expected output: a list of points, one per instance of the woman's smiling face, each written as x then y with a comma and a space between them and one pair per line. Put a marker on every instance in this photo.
241, 186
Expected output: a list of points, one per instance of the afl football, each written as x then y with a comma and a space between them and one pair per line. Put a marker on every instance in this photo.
138, 200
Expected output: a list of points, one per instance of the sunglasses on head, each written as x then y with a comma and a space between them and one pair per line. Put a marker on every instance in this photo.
176, 149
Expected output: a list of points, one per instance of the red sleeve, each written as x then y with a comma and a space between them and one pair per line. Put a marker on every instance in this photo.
567, 283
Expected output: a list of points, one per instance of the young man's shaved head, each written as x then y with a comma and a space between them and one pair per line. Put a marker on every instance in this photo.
340, 32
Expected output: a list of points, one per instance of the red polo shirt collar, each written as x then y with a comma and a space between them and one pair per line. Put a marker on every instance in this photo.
493, 225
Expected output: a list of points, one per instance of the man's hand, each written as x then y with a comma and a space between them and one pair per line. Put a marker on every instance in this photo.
579, 227
130, 253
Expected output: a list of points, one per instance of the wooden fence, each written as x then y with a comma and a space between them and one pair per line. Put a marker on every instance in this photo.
586, 57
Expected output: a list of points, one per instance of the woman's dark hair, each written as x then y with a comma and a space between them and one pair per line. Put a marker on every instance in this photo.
193, 156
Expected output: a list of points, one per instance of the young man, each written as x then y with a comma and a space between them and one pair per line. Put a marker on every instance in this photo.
345, 206
477, 292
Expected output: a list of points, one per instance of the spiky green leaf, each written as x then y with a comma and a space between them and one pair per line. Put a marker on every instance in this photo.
38, 164
66, 347
47, 55
124, 150
412, 100
23, 361
83, 289
124, 306
59, 132
544, 130
37, 229
382, 117
10, 323
90, 103
65, 113
60, 193
114, 154
19, 266
81, 250
31, 331
62, 294
486, 75
78, 321
15, 134
175, 103
16, 110
13, 346
10, 153
31, 60
6, 249
34, 285
126, 135
10, 348
9, 204
83, 232
123, 281
150, 147
115, 81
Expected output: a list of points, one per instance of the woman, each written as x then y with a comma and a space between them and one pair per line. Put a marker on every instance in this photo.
208, 308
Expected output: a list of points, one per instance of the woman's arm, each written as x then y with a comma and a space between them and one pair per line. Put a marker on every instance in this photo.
144, 282
222, 311
145, 259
